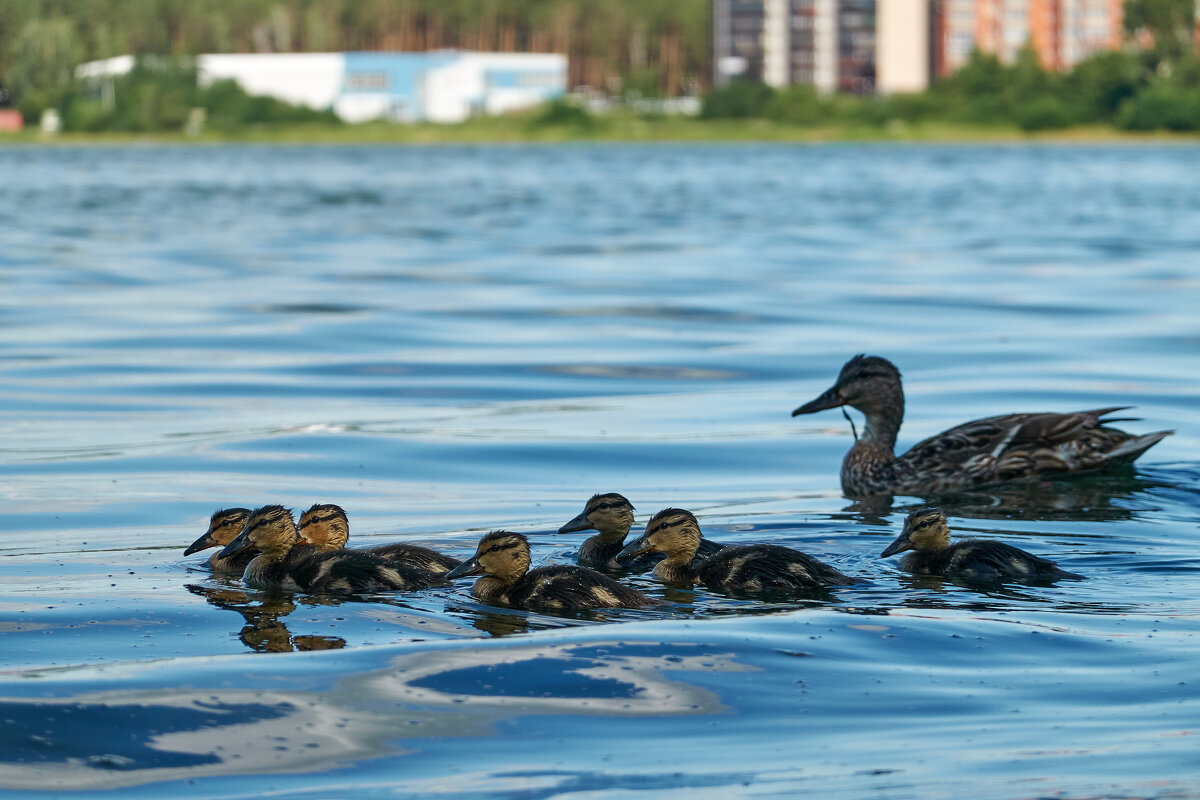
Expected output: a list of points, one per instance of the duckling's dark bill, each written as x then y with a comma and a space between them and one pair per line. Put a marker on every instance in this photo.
634, 548
580, 523
898, 546
469, 567
203, 543
831, 399
240, 543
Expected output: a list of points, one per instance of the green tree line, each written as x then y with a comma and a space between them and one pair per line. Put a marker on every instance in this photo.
1152, 84
656, 46
1123, 88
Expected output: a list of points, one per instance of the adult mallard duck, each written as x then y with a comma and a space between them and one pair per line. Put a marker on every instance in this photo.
978, 453
927, 533
326, 527
285, 563
755, 569
611, 515
223, 528
503, 559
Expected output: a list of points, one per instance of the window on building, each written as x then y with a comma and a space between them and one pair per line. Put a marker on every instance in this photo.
368, 81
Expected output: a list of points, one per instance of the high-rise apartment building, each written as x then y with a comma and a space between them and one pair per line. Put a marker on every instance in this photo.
863, 46
1061, 32
829, 44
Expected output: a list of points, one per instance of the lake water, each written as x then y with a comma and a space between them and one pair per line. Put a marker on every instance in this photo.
449, 340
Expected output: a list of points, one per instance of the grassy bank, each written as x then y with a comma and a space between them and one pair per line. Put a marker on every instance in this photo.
612, 128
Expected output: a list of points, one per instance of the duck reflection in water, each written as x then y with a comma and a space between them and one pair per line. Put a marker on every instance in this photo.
1091, 498
264, 631
495, 623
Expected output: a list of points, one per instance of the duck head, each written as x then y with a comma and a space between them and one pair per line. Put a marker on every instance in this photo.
672, 531
325, 526
607, 513
271, 529
500, 554
925, 530
869, 383
223, 528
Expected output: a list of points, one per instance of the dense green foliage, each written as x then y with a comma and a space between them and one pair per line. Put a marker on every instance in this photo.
1129, 89
658, 47
161, 95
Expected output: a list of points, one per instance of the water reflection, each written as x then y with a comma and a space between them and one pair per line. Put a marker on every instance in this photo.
264, 632
174, 734
1093, 498
935, 591
455, 689
1096, 498
497, 623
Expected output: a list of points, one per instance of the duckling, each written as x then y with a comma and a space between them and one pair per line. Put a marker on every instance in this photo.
927, 533
223, 527
612, 515
754, 569
326, 527
502, 558
285, 563
978, 453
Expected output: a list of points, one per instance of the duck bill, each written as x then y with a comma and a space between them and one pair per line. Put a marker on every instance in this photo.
580, 523
469, 567
203, 543
634, 548
240, 543
899, 546
830, 399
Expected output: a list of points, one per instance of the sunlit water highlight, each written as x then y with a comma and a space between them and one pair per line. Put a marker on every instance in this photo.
449, 340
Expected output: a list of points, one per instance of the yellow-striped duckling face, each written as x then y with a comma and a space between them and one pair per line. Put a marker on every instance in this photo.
271, 529
925, 531
223, 528
865, 383
672, 532
607, 513
500, 554
325, 526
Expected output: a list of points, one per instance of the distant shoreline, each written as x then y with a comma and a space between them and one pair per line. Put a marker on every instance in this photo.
613, 129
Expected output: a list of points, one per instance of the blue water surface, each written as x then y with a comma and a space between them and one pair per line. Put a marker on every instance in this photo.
448, 340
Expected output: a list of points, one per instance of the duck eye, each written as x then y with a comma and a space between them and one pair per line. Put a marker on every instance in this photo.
924, 524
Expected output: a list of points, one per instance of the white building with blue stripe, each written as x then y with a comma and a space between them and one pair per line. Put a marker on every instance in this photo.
442, 86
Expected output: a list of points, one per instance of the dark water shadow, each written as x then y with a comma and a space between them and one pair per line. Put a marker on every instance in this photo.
41, 734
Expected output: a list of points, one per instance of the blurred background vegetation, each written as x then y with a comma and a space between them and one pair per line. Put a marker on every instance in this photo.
1127, 89
641, 48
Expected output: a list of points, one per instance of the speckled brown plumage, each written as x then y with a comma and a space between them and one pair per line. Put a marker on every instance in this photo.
326, 527
977, 453
285, 563
503, 558
750, 570
611, 515
927, 533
